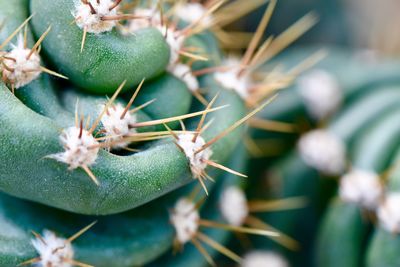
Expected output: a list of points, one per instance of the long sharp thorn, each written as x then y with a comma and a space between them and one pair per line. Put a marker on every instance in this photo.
171, 132
91, 175
29, 262
77, 113
83, 39
223, 250
131, 100
81, 232
236, 125
203, 185
109, 103
203, 117
51, 72
142, 106
38, 236
222, 167
39, 41
177, 118
238, 229
259, 33
282, 239
26, 36
277, 205
204, 252
288, 36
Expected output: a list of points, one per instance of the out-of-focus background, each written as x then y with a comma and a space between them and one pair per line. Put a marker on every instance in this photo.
365, 24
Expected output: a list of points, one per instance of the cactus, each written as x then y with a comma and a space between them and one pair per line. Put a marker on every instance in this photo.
104, 128
127, 135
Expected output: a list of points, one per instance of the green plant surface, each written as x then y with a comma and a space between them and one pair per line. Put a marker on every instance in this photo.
383, 246
107, 59
125, 182
372, 152
127, 239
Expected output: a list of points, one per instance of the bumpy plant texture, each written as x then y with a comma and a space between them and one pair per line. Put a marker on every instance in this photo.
126, 135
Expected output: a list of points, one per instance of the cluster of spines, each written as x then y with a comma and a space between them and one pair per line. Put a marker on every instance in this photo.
100, 16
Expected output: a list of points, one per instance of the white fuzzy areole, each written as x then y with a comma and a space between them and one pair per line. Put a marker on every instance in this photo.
79, 152
388, 213
230, 78
323, 151
264, 259
117, 128
184, 72
193, 13
321, 93
54, 252
185, 219
93, 23
175, 41
150, 17
24, 70
233, 205
197, 161
362, 188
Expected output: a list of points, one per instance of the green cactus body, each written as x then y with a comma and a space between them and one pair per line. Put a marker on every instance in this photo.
117, 174
344, 221
108, 59
383, 246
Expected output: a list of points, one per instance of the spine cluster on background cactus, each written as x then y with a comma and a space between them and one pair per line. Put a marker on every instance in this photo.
117, 127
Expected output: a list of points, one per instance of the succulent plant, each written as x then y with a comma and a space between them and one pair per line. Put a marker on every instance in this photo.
127, 135
109, 110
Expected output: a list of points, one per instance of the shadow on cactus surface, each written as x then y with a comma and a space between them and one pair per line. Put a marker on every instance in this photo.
153, 133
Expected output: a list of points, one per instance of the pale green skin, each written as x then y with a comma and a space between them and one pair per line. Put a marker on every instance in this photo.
107, 59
